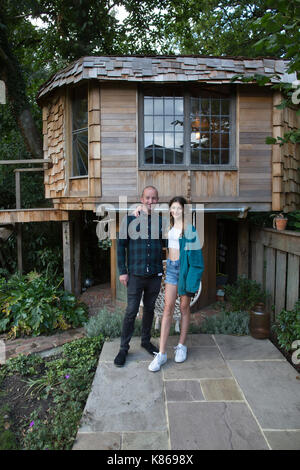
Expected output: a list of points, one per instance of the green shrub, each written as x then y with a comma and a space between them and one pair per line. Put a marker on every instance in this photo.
109, 324
287, 327
32, 305
106, 323
229, 323
244, 294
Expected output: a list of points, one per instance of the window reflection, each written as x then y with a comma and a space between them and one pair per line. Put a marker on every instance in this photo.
79, 132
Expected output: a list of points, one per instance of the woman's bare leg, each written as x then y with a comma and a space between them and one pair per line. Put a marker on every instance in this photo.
185, 317
170, 299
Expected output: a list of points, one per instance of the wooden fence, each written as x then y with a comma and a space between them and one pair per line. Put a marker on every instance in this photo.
275, 264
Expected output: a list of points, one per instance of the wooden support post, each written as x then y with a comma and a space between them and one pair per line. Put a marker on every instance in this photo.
243, 249
19, 226
208, 294
77, 254
67, 229
113, 268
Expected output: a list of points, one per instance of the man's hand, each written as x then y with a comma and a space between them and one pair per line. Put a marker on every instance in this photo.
124, 279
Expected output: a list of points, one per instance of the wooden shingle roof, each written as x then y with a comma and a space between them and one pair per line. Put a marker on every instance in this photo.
166, 69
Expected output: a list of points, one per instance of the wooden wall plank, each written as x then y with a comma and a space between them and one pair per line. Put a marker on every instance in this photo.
292, 288
280, 286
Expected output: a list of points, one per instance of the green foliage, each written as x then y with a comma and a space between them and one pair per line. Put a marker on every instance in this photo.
109, 324
287, 327
66, 382
294, 221
23, 365
106, 323
244, 294
229, 323
7, 437
33, 305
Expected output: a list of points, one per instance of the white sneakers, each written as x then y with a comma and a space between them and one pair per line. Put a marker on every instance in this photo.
160, 359
180, 353
157, 362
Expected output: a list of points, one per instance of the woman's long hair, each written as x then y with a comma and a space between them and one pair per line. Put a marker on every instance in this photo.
182, 201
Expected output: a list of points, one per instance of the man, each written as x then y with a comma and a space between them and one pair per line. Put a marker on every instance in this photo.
144, 272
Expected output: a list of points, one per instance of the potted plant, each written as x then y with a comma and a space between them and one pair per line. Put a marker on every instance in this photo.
279, 221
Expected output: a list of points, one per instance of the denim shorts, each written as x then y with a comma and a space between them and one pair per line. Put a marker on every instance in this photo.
172, 273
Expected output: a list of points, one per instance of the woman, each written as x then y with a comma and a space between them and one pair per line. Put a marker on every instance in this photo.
184, 271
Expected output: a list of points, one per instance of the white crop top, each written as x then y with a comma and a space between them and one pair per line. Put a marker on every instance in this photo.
173, 237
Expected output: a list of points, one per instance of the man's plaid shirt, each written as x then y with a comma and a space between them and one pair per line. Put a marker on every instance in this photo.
144, 252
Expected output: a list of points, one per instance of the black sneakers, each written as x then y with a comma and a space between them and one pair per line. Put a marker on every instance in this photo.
150, 348
120, 358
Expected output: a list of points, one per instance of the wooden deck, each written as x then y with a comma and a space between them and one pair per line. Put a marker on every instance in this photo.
13, 216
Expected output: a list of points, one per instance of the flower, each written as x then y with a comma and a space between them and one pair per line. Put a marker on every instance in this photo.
67, 376
31, 424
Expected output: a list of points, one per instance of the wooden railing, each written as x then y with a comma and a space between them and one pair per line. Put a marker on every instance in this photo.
275, 264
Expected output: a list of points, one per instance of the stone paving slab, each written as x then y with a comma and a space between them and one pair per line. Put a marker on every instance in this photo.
98, 441
193, 341
283, 440
201, 363
246, 348
125, 399
183, 390
272, 391
221, 390
214, 426
145, 441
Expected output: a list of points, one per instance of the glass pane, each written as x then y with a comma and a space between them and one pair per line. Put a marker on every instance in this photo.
158, 139
169, 106
195, 157
148, 139
168, 126
169, 156
148, 105
205, 157
179, 106
204, 141
224, 106
225, 141
215, 106
148, 156
215, 141
158, 156
224, 124
204, 124
158, 106
169, 140
194, 106
159, 124
224, 156
80, 153
178, 123
178, 156
79, 113
215, 124
148, 123
215, 157
204, 106
179, 140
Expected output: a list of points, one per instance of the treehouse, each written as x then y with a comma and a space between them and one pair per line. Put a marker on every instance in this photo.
113, 125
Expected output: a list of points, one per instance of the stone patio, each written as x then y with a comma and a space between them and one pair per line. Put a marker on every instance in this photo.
233, 392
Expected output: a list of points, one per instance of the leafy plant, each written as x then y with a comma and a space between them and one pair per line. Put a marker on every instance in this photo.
106, 323
244, 294
33, 305
287, 327
229, 323
67, 380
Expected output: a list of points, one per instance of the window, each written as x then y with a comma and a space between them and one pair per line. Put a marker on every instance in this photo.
80, 132
187, 128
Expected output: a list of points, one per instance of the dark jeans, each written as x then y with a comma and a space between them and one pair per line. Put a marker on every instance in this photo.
137, 285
